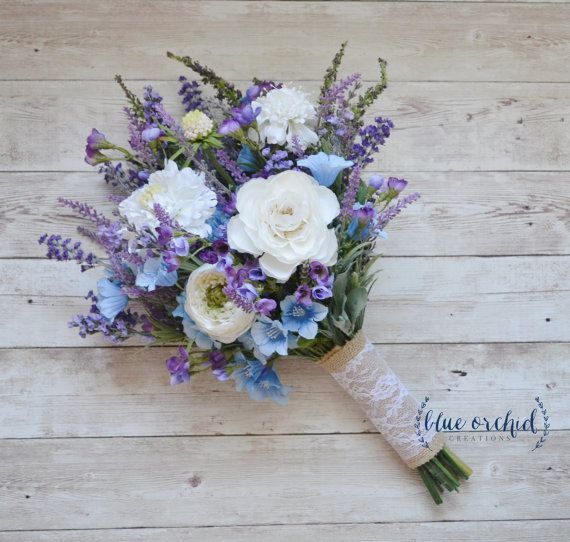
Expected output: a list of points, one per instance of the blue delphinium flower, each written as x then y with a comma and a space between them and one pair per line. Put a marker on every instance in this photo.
302, 318
259, 380
191, 330
325, 167
219, 222
110, 299
155, 273
271, 337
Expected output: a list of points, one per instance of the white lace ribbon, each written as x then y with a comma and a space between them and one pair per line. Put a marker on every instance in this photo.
387, 403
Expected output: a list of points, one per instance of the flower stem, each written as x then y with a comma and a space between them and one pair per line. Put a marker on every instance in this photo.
445, 470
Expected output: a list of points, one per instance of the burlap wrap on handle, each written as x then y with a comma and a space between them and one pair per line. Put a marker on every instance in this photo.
359, 369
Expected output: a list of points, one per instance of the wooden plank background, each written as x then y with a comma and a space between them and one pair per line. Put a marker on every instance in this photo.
472, 306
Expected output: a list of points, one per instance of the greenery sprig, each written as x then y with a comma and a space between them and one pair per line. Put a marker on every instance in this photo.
134, 100
226, 91
332, 71
372, 93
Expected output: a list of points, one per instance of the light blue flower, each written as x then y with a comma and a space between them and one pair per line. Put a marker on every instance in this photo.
155, 273
191, 330
302, 318
110, 299
249, 344
325, 167
219, 222
259, 380
271, 337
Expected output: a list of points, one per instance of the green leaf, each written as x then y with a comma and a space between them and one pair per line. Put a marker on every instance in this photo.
356, 303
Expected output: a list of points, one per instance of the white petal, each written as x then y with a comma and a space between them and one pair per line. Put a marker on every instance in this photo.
328, 204
275, 268
238, 239
328, 251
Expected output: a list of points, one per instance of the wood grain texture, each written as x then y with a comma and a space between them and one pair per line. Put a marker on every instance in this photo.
86, 392
461, 213
422, 41
416, 300
192, 481
439, 126
464, 531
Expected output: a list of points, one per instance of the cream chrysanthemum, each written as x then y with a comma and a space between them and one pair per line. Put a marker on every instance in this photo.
196, 125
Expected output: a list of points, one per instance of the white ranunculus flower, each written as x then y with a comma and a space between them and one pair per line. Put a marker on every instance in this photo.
183, 194
284, 219
211, 310
284, 114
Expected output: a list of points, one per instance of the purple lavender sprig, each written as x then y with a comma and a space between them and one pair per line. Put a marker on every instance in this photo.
231, 167
191, 94
86, 211
350, 193
371, 138
277, 160
122, 327
67, 250
391, 212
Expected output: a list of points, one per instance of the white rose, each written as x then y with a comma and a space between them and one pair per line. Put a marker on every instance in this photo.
284, 114
183, 194
284, 219
211, 310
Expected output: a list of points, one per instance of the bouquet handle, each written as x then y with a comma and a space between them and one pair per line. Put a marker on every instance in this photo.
360, 370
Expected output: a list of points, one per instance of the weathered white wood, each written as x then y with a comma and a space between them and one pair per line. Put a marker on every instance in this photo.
285, 40
459, 531
125, 391
461, 213
416, 300
439, 126
191, 481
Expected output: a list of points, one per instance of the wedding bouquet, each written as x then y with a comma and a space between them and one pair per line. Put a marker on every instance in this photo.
244, 232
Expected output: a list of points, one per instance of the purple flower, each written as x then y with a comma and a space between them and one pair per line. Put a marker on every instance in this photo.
218, 363
164, 234
303, 294
220, 247
245, 114
364, 221
398, 185
229, 126
265, 306
248, 292
321, 292
171, 261
242, 116
208, 256
180, 246
178, 367
95, 142
151, 133
318, 272
376, 181
257, 274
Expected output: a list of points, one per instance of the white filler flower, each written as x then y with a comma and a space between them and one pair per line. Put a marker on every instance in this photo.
211, 310
183, 194
284, 219
284, 114
196, 125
